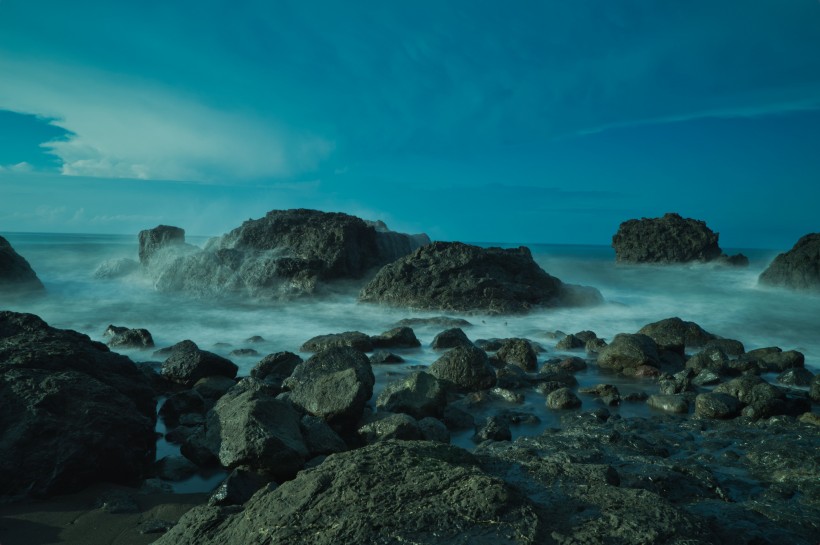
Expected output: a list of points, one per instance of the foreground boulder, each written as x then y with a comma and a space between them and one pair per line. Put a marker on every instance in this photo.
15, 272
670, 239
799, 268
675, 335
71, 412
461, 277
287, 252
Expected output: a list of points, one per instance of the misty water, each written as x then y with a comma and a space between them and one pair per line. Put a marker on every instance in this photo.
724, 301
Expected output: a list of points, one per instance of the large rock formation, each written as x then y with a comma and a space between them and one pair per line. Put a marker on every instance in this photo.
71, 412
799, 268
461, 277
287, 252
15, 272
670, 239
161, 236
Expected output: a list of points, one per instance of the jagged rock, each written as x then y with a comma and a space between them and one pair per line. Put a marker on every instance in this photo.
72, 413
814, 388
466, 368
420, 395
393, 245
450, 338
187, 364
518, 352
213, 387
570, 342
15, 272
629, 351
670, 239
275, 368
759, 398
730, 347
563, 398
180, 403
161, 236
352, 339
607, 393
128, 338
461, 277
383, 356
398, 337
175, 468
674, 334
799, 268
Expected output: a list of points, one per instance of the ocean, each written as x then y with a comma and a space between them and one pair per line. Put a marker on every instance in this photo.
725, 301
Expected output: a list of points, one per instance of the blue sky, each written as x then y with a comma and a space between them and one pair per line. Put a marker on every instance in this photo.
538, 121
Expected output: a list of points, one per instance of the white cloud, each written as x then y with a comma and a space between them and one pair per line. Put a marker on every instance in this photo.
129, 128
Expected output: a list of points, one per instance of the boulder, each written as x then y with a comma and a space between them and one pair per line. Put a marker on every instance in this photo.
334, 384
607, 393
518, 352
72, 413
465, 368
385, 426
275, 368
420, 395
187, 364
388, 492
398, 337
352, 339
128, 338
629, 351
563, 398
440, 321
393, 245
717, 405
385, 357
674, 334
799, 268
796, 377
670, 239
814, 389
319, 437
461, 277
161, 236
15, 272
450, 338
774, 359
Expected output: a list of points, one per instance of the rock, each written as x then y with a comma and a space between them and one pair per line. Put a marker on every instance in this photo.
433, 429
730, 347
187, 364
420, 395
799, 268
711, 359
383, 356
607, 393
674, 334
243, 352
570, 342
466, 368
796, 377
563, 398
319, 437
712, 405
385, 426
450, 338
394, 245
128, 338
175, 468
493, 428
512, 377
398, 337
152, 240
670, 239
15, 272
237, 488
72, 413
440, 321
461, 277
250, 428
275, 368
412, 492
814, 389
671, 403
774, 360
213, 387
629, 350
705, 377
457, 419
180, 403
506, 395
518, 352
753, 390
116, 268
334, 384
352, 339
593, 346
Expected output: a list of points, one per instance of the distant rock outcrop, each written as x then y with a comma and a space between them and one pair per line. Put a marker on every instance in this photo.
461, 277
287, 252
670, 239
15, 271
799, 268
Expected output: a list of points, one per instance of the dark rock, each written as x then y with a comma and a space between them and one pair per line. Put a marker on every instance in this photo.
128, 338
705, 377
187, 364
383, 356
799, 268
72, 413
440, 321
814, 389
334, 384
750, 389
466, 368
461, 277
774, 360
570, 342
398, 337
563, 398
571, 365
238, 487
152, 240
607, 393
730, 347
671, 403
352, 339
393, 245
518, 352
417, 492
15, 272
253, 429
488, 345
175, 468
512, 377
255, 339
385, 426
116, 268
450, 338
712, 405
593, 346
493, 428
319, 437
629, 350
433, 429
674, 334
508, 396
796, 377
188, 401
711, 359
670, 239
275, 368
213, 387
420, 395
243, 352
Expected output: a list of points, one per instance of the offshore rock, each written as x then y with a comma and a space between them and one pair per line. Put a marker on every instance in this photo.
670, 239
799, 268
161, 236
71, 412
15, 272
460, 277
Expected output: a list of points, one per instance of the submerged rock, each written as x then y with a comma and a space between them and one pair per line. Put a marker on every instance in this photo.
669, 239
799, 268
15, 272
461, 277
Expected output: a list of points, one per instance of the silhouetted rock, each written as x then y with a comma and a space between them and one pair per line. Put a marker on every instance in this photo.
72, 413
461, 277
15, 272
161, 236
670, 239
799, 268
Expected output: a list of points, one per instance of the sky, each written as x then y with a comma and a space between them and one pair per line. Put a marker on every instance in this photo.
533, 121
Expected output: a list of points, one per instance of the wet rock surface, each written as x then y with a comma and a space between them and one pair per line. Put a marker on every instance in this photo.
799, 268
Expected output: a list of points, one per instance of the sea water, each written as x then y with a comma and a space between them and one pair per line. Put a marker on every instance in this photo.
723, 300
